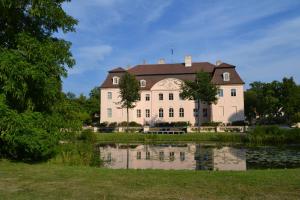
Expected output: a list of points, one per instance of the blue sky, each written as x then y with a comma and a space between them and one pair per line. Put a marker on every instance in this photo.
260, 37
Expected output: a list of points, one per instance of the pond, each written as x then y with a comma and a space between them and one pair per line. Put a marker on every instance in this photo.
192, 156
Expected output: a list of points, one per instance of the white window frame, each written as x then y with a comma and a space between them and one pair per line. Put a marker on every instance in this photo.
116, 80
138, 113
226, 76
161, 113
109, 112
147, 112
109, 95
171, 96
147, 98
171, 112
233, 92
143, 83
220, 92
181, 112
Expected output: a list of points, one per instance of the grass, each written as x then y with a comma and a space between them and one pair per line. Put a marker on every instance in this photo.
149, 138
49, 181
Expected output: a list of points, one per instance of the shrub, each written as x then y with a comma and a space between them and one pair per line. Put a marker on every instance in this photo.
211, 123
87, 135
134, 124
238, 123
112, 125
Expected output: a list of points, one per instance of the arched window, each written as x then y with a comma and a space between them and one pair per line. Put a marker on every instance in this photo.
181, 112
116, 80
143, 83
161, 113
226, 76
171, 112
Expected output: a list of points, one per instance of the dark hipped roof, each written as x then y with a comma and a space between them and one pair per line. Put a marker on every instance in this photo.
153, 73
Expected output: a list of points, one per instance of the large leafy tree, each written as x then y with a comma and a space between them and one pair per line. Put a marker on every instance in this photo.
32, 64
129, 92
200, 90
32, 60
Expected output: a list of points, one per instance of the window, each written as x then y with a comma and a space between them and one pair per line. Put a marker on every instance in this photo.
161, 112
180, 97
171, 96
195, 112
147, 113
142, 83
148, 155
220, 93
205, 112
139, 97
171, 112
109, 95
138, 155
181, 112
182, 156
116, 80
161, 155
172, 156
109, 112
161, 96
233, 92
147, 97
226, 76
138, 113
108, 158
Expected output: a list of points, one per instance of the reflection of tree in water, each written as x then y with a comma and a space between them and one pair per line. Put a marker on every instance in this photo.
203, 157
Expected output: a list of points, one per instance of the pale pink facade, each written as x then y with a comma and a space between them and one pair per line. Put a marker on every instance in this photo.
161, 102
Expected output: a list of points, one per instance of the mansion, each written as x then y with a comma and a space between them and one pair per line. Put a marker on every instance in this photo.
160, 101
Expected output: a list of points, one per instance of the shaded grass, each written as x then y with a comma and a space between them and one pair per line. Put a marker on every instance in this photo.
45, 181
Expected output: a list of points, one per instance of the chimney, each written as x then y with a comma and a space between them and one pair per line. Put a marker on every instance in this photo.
219, 62
188, 61
161, 61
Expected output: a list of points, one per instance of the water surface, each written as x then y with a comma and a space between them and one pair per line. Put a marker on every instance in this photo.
192, 156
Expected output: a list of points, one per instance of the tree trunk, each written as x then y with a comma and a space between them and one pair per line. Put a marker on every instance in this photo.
127, 110
198, 113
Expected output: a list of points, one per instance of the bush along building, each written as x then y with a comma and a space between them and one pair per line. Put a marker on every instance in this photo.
160, 87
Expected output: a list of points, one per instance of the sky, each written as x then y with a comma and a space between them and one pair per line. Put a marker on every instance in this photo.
260, 37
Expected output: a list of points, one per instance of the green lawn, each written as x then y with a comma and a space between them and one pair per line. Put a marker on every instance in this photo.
48, 181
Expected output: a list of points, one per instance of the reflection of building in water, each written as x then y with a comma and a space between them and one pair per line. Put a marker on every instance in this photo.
186, 156
228, 158
149, 156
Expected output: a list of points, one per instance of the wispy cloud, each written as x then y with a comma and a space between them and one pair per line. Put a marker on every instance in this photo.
157, 11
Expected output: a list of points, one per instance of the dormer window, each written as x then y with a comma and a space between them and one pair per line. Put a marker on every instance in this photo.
226, 76
116, 80
142, 83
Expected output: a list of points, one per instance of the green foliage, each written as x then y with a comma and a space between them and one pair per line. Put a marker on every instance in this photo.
202, 89
173, 124
211, 124
273, 135
273, 103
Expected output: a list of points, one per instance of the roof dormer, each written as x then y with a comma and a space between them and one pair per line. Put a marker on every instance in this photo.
226, 76
143, 83
115, 80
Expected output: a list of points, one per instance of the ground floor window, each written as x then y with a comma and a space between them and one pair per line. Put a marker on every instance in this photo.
109, 112
182, 156
171, 112
138, 113
205, 114
161, 113
161, 155
195, 112
181, 112
138, 155
147, 113
172, 156
148, 155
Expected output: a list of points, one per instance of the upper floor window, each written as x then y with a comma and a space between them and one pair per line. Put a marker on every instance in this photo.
226, 76
109, 112
116, 80
180, 97
181, 112
171, 96
139, 97
147, 97
233, 92
220, 93
195, 112
161, 96
171, 112
161, 112
109, 95
147, 113
143, 83
138, 113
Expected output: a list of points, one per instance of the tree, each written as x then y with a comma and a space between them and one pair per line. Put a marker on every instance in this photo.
129, 92
32, 60
200, 90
